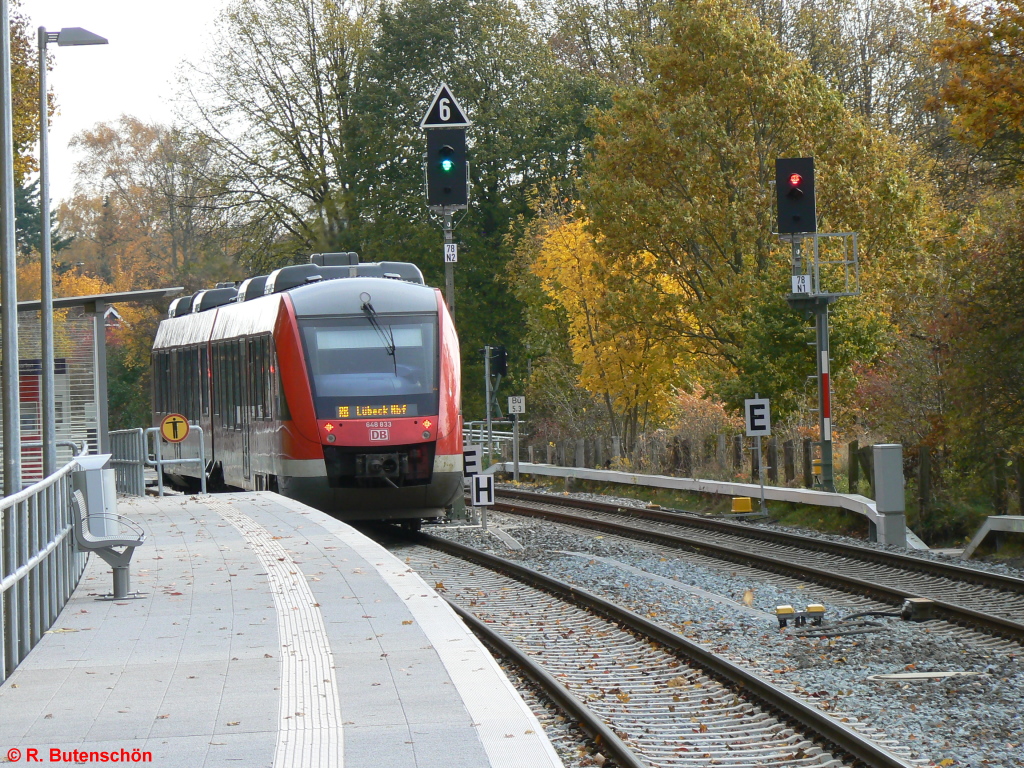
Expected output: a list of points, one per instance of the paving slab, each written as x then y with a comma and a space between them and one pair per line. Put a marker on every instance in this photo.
266, 633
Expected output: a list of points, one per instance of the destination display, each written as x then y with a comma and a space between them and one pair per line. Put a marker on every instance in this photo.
376, 411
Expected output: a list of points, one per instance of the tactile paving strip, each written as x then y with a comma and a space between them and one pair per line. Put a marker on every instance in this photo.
311, 724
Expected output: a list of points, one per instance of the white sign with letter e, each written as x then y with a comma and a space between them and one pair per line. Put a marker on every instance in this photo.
482, 492
517, 404
451, 253
472, 456
758, 416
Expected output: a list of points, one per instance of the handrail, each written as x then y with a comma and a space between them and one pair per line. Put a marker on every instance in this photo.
25, 493
77, 448
889, 527
39, 564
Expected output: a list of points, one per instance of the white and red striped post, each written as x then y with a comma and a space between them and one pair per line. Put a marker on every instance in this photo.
824, 396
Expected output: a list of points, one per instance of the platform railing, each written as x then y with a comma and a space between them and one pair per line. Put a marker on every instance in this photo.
128, 458
156, 458
39, 563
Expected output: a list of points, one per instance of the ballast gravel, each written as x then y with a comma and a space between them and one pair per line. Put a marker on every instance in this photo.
973, 719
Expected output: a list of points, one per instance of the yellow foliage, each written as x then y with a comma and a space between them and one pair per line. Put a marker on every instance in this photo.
626, 364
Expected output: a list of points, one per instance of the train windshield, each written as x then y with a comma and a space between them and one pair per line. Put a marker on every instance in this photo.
381, 369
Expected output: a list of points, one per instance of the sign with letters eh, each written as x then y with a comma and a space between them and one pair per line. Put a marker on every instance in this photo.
444, 111
482, 492
517, 404
758, 416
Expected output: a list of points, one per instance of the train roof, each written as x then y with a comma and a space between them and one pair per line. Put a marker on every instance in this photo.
324, 298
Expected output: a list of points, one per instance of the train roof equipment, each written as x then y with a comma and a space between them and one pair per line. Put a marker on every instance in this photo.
213, 297
321, 267
180, 306
252, 288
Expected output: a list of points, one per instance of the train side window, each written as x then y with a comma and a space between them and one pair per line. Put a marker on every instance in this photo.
268, 365
165, 381
283, 412
239, 384
187, 383
204, 380
218, 380
253, 349
174, 392
229, 385
157, 404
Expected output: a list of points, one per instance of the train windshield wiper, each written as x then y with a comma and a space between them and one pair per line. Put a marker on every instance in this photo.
385, 334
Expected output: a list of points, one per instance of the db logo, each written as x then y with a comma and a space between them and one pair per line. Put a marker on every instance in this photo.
379, 435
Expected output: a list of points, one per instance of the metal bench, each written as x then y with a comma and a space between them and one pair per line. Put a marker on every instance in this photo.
105, 546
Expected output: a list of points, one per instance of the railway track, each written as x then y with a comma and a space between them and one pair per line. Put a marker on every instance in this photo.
648, 696
965, 596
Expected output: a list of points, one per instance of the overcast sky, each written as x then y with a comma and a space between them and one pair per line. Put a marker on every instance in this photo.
135, 74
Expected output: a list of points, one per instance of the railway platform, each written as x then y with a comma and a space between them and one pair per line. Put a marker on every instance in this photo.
264, 633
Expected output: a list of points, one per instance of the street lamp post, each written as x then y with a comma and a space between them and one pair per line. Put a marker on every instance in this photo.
12, 421
67, 36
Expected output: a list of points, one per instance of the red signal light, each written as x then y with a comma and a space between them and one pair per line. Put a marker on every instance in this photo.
795, 179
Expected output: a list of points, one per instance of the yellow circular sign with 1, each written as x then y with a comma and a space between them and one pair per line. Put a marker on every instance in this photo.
174, 427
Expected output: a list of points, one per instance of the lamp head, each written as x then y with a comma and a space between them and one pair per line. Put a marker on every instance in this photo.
79, 36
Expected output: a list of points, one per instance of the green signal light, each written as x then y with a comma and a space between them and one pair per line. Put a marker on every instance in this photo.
447, 158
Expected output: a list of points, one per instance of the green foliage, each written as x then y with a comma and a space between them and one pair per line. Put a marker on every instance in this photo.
128, 389
529, 125
682, 170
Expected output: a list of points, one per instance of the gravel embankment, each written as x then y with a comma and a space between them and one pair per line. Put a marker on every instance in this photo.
973, 720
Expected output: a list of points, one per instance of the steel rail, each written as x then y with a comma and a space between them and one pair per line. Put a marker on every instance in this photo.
949, 611
588, 720
773, 697
689, 519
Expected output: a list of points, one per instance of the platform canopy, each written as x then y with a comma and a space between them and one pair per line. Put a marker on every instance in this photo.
80, 370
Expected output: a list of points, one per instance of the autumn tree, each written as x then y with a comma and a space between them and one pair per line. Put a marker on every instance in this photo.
627, 365
606, 39
529, 126
24, 94
985, 92
274, 100
682, 170
143, 209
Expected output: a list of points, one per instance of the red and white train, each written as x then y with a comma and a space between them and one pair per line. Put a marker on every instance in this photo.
334, 383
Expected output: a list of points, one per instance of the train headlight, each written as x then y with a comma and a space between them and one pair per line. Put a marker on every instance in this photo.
426, 435
331, 438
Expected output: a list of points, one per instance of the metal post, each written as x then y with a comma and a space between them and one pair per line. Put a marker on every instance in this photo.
449, 267
10, 380
100, 377
760, 472
487, 391
515, 447
49, 414
824, 394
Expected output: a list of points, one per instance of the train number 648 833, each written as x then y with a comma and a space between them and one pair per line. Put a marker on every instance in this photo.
372, 424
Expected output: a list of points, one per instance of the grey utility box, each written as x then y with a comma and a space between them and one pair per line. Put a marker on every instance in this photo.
99, 486
889, 498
